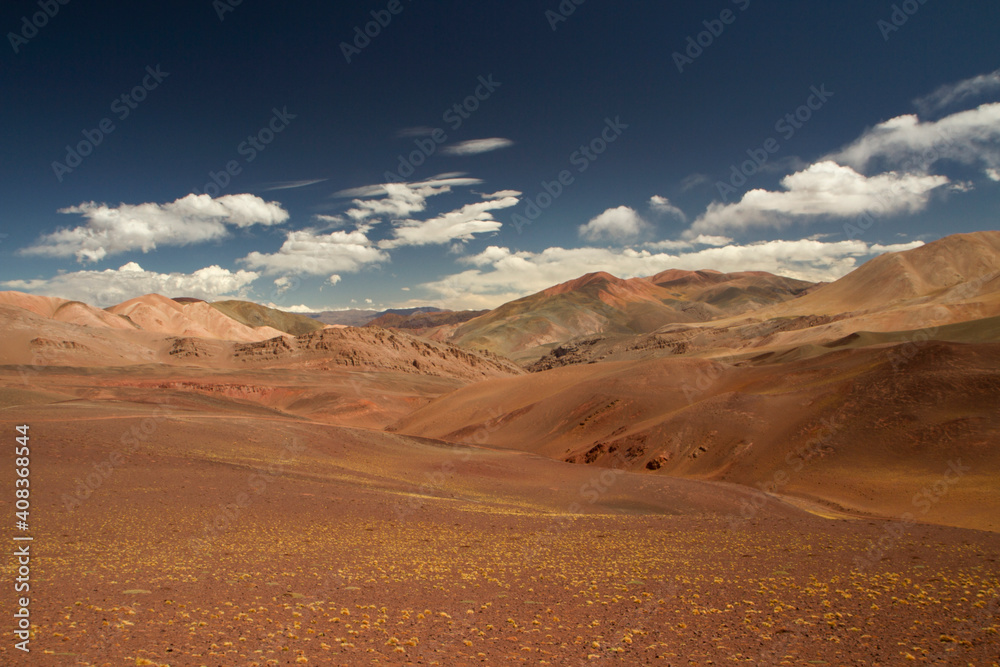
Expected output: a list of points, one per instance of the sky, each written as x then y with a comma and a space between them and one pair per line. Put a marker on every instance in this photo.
395, 153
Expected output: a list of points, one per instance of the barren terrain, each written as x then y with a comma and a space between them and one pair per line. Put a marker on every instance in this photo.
689, 469
232, 535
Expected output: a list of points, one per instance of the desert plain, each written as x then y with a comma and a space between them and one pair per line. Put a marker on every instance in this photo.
689, 469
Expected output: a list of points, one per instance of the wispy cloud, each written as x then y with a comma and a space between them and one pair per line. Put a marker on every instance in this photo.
477, 146
663, 206
958, 93
693, 181
414, 132
291, 185
401, 200
459, 225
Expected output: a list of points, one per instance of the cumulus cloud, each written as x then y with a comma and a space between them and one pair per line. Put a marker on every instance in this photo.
309, 252
993, 174
957, 93
898, 153
664, 206
615, 224
499, 274
970, 137
126, 227
477, 146
111, 286
824, 190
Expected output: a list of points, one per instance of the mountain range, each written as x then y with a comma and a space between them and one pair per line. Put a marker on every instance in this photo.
853, 393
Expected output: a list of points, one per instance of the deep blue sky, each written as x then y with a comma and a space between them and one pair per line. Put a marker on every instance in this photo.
557, 88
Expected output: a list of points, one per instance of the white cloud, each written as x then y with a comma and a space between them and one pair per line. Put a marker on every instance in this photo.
461, 224
970, 137
334, 279
500, 275
502, 194
693, 181
312, 253
701, 239
301, 309
957, 93
292, 185
664, 206
993, 174
824, 190
283, 284
477, 146
400, 200
615, 224
192, 219
112, 286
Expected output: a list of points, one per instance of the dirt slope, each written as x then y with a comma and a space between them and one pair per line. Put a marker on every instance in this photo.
861, 428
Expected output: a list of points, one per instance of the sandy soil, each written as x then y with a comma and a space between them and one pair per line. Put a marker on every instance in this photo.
227, 533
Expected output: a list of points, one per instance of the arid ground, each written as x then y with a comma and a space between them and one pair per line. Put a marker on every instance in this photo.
793, 484
232, 534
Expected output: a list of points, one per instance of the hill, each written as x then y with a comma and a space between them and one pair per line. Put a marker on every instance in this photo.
862, 429
527, 328
424, 320
158, 314
255, 315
